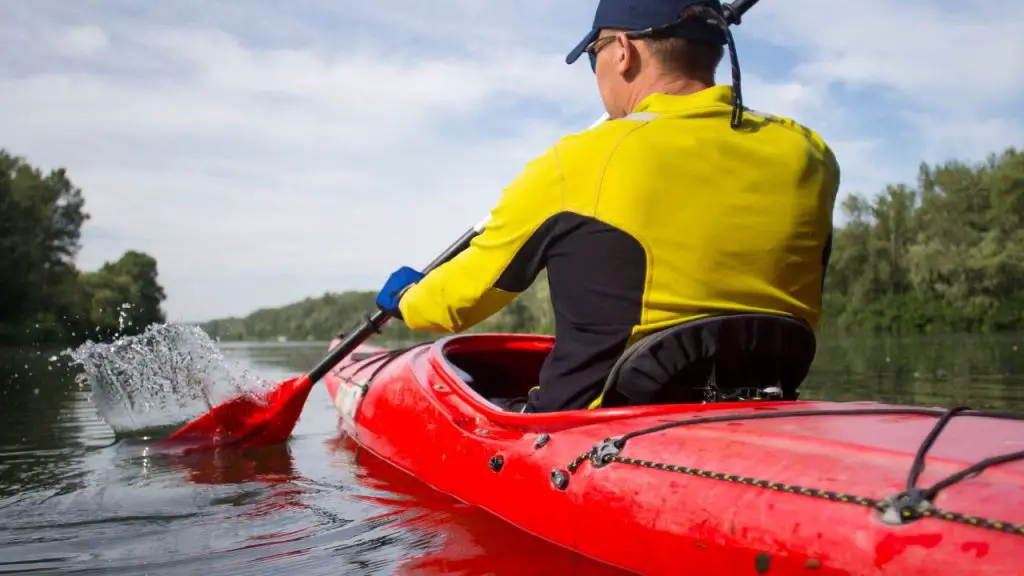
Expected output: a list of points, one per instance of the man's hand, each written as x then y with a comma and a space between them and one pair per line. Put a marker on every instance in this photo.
396, 285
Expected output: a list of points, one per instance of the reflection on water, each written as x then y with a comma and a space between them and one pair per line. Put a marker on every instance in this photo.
76, 498
983, 372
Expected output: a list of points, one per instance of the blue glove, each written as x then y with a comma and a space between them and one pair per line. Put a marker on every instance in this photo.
391, 293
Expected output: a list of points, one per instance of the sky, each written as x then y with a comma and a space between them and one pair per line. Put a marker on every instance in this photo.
266, 151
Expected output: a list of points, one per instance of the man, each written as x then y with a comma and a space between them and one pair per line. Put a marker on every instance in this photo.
671, 210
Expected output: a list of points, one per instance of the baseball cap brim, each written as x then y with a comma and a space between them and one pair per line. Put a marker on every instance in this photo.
578, 50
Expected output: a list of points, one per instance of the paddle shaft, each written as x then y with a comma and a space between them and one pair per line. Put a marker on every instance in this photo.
735, 10
373, 323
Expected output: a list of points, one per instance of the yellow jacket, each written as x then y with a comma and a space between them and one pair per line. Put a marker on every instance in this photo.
643, 222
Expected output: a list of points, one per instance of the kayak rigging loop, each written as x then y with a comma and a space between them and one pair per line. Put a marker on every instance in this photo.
604, 452
912, 504
905, 506
915, 502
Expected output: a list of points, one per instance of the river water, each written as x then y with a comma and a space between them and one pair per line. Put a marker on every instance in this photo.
75, 498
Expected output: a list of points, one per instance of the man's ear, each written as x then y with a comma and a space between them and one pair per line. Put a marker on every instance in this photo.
627, 58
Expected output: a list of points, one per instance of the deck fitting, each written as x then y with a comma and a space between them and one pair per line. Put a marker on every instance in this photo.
542, 441
559, 479
496, 462
762, 562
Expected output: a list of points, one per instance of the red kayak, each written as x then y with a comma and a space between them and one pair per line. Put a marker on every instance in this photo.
741, 487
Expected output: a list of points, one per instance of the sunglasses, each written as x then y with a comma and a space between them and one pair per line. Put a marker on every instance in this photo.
594, 47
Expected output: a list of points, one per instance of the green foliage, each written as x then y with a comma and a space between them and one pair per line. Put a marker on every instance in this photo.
43, 296
946, 255
323, 318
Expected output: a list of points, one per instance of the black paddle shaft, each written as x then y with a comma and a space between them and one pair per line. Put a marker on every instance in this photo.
734, 11
373, 323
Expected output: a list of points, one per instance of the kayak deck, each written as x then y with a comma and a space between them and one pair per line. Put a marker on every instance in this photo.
724, 487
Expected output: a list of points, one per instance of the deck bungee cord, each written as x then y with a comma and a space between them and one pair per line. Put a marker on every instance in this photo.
912, 504
381, 358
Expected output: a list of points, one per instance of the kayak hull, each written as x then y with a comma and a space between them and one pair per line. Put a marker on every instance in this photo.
765, 490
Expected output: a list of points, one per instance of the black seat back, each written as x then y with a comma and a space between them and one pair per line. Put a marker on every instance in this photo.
712, 359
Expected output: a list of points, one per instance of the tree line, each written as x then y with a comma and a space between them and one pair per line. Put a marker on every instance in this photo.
946, 255
44, 297
333, 313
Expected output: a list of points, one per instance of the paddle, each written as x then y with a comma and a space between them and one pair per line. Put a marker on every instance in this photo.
270, 418
259, 421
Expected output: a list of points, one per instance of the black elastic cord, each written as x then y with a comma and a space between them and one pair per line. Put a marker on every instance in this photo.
919, 461
382, 359
722, 24
930, 493
791, 414
918, 464
913, 496
734, 60
392, 356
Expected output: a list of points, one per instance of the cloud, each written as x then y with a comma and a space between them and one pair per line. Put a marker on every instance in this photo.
267, 152
932, 80
82, 41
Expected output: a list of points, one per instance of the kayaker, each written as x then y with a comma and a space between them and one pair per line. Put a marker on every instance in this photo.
681, 205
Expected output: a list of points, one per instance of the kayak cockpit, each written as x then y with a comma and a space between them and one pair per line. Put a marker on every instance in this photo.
501, 369
709, 360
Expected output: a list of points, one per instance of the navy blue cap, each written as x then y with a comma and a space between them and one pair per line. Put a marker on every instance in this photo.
644, 14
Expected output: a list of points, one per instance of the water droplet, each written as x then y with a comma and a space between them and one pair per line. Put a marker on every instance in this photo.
164, 376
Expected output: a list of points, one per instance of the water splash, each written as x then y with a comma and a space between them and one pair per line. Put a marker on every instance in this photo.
162, 377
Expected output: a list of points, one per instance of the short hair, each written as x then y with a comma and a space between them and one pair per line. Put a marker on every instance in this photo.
686, 56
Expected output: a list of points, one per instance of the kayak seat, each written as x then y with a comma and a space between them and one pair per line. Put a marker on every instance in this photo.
714, 359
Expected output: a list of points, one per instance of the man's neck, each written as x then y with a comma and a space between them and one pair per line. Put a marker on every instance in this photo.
666, 85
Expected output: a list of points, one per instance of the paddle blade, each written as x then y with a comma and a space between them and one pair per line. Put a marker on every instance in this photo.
248, 420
